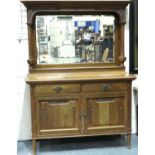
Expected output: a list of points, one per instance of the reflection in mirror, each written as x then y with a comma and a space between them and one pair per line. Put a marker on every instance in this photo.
75, 39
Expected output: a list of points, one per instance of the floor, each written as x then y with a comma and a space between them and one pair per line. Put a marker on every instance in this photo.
104, 145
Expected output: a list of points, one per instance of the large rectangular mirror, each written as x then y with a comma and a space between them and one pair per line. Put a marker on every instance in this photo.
66, 39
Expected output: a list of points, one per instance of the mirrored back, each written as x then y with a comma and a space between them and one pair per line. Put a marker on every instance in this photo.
72, 39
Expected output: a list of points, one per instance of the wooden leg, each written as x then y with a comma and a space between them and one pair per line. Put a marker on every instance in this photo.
129, 140
34, 147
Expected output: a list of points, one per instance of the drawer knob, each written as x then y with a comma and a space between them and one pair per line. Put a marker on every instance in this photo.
58, 89
105, 87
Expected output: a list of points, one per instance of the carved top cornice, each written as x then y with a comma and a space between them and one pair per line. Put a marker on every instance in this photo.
113, 7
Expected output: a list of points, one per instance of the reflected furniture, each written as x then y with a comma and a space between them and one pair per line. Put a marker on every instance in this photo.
77, 77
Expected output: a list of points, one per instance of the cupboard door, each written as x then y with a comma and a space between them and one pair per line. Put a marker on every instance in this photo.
58, 116
106, 113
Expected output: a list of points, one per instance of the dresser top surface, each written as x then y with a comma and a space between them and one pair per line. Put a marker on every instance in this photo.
77, 76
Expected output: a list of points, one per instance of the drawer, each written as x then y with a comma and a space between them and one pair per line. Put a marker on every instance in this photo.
104, 86
57, 88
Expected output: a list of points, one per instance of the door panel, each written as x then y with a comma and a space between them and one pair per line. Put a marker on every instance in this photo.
107, 112
58, 116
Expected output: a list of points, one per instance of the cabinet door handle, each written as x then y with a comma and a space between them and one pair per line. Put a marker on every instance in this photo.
82, 116
82, 121
57, 89
105, 87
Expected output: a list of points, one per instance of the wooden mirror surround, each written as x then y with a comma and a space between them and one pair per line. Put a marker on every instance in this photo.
77, 87
115, 8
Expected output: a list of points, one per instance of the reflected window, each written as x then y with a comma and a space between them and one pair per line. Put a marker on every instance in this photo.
65, 39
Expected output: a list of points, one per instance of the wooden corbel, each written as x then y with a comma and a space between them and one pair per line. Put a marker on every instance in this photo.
121, 59
31, 62
122, 16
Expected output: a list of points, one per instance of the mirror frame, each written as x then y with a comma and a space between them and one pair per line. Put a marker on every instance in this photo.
117, 8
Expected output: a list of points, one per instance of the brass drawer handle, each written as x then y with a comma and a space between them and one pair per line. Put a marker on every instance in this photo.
105, 87
58, 89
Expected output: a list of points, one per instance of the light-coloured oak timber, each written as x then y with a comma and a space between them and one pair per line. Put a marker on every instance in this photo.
77, 100
104, 86
33, 146
57, 88
78, 76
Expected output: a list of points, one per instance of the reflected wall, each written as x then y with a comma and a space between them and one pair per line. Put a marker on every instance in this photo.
65, 39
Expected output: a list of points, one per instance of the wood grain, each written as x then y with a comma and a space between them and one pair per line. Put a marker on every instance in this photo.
78, 76
75, 100
57, 88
